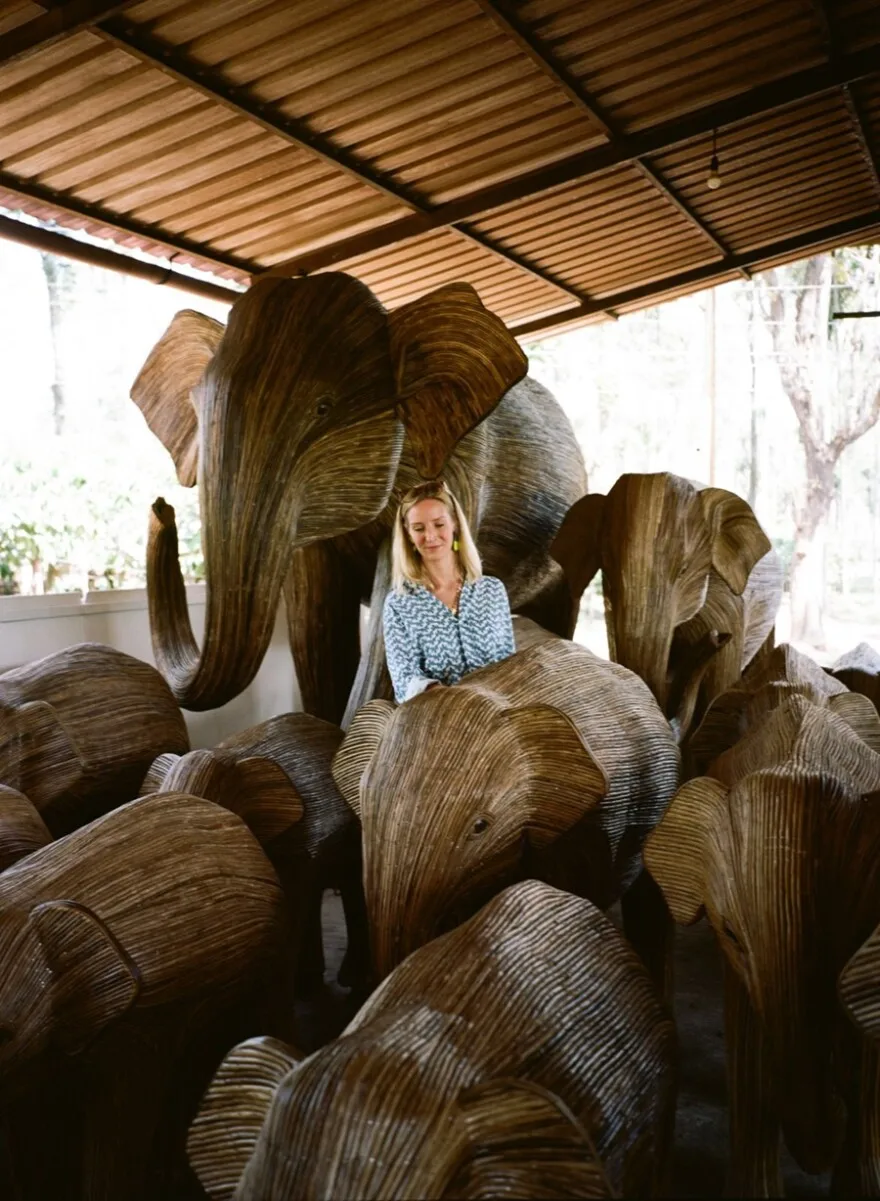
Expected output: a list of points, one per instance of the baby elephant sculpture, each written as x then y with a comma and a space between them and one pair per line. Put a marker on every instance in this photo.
524, 1054
79, 728
782, 853
691, 583
133, 953
552, 764
276, 776
859, 670
22, 830
781, 674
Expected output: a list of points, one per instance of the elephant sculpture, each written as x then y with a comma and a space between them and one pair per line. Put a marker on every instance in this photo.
691, 583
782, 673
524, 1054
276, 776
79, 728
22, 830
551, 764
859, 670
301, 421
782, 854
133, 953
859, 993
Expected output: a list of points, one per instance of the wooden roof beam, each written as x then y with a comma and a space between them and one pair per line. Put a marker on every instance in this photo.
510, 24
112, 260
838, 232
61, 21
656, 139
831, 43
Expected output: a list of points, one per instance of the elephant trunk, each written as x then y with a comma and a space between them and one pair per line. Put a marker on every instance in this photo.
243, 591
642, 643
812, 1116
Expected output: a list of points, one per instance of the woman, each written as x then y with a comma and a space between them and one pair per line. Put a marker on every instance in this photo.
443, 617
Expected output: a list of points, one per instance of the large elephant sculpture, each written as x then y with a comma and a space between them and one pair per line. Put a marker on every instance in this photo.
22, 830
277, 777
133, 953
301, 421
552, 764
524, 1054
691, 583
782, 854
80, 727
781, 674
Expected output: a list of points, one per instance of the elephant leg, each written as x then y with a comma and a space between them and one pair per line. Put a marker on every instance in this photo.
372, 679
648, 925
553, 608
754, 1169
857, 1170
310, 963
323, 616
356, 966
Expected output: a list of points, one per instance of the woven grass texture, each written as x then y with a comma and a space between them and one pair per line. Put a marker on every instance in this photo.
524, 1050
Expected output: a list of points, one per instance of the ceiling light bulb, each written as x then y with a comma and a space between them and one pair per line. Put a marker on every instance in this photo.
713, 179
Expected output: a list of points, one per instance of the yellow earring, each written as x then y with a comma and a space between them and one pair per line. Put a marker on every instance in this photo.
455, 545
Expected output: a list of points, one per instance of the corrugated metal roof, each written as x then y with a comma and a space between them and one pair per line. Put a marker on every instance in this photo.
552, 152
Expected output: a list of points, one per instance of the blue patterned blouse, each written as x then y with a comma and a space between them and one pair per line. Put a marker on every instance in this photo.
426, 643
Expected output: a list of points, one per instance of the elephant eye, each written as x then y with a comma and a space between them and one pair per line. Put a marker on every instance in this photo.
480, 825
324, 405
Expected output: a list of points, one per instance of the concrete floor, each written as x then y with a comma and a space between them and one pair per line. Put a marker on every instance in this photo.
701, 1118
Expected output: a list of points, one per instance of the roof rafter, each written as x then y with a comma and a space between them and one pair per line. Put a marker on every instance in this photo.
506, 19
752, 259
60, 21
856, 113
656, 139
242, 101
139, 229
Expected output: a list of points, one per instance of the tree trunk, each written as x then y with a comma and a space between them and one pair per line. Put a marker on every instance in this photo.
807, 579
57, 275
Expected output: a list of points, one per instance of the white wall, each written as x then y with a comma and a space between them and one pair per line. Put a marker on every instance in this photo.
33, 626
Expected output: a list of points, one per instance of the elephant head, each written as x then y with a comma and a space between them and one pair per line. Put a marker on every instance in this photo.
437, 843
664, 549
486, 1140
299, 410
65, 979
786, 866
470, 1072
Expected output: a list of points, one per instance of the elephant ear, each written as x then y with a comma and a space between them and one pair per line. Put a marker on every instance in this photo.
738, 541
676, 849
858, 987
859, 714
265, 797
514, 1138
50, 761
156, 773
225, 1131
453, 361
556, 768
724, 723
22, 830
163, 388
357, 748
576, 547
94, 980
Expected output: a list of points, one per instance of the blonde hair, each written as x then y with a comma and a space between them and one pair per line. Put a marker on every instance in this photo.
406, 563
